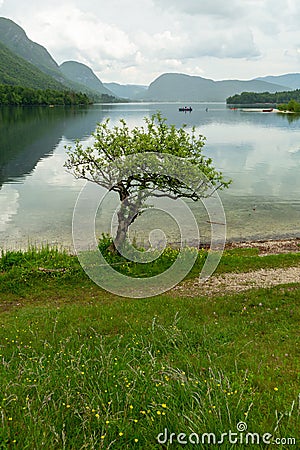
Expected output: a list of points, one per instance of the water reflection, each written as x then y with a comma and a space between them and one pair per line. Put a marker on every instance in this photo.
260, 152
29, 134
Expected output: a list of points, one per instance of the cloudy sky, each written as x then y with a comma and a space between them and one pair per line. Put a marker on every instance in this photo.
134, 41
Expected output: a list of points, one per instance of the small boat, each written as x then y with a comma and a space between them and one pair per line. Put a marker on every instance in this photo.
267, 110
186, 109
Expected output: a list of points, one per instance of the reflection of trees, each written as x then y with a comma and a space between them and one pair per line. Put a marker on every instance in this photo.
290, 117
28, 134
81, 122
293, 117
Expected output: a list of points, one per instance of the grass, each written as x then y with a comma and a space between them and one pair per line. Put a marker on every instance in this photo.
84, 369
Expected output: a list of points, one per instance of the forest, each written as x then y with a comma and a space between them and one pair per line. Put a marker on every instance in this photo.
251, 98
17, 95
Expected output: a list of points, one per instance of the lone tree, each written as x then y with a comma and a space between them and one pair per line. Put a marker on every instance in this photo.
154, 160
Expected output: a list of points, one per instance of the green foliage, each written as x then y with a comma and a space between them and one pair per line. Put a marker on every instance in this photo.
106, 98
155, 160
17, 95
292, 106
16, 71
19, 270
35, 263
112, 145
251, 98
104, 243
163, 260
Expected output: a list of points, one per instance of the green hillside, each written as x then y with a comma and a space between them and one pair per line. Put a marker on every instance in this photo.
82, 74
16, 40
263, 97
15, 71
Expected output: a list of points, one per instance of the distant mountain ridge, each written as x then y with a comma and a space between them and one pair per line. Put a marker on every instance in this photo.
187, 88
128, 91
82, 74
14, 38
29, 64
292, 80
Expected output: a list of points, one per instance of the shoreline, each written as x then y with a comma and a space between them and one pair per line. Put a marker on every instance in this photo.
266, 111
264, 245
268, 246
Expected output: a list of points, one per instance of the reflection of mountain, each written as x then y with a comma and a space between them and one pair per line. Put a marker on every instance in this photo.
26, 135
29, 134
82, 122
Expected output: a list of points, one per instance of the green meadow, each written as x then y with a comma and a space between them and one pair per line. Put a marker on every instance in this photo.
84, 369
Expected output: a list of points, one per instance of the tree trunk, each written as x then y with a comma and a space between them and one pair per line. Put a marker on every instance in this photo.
122, 231
124, 221
127, 214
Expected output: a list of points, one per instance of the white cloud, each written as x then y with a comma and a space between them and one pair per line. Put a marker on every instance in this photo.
132, 42
9, 205
216, 8
86, 36
233, 43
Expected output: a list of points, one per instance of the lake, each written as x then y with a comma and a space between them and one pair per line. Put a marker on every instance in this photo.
260, 152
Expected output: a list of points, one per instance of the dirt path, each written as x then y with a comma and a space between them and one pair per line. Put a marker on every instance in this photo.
238, 282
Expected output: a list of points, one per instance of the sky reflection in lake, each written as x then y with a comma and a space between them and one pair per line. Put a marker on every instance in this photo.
260, 152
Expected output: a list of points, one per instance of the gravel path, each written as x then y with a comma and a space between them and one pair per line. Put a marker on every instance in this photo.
237, 282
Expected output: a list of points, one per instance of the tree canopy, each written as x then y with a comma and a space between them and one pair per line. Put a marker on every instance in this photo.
18, 95
291, 106
154, 160
263, 97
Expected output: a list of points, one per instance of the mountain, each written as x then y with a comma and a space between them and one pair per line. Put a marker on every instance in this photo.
26, 63
18, 72
82, 74
128, 91
186, 88
15, 38
292, 80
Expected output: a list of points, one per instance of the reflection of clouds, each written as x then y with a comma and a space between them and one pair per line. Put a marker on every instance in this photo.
261, 160
260, 153
295, 151
9, 205
51, 171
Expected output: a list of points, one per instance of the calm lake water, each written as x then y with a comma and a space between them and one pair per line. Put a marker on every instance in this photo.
260, 152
